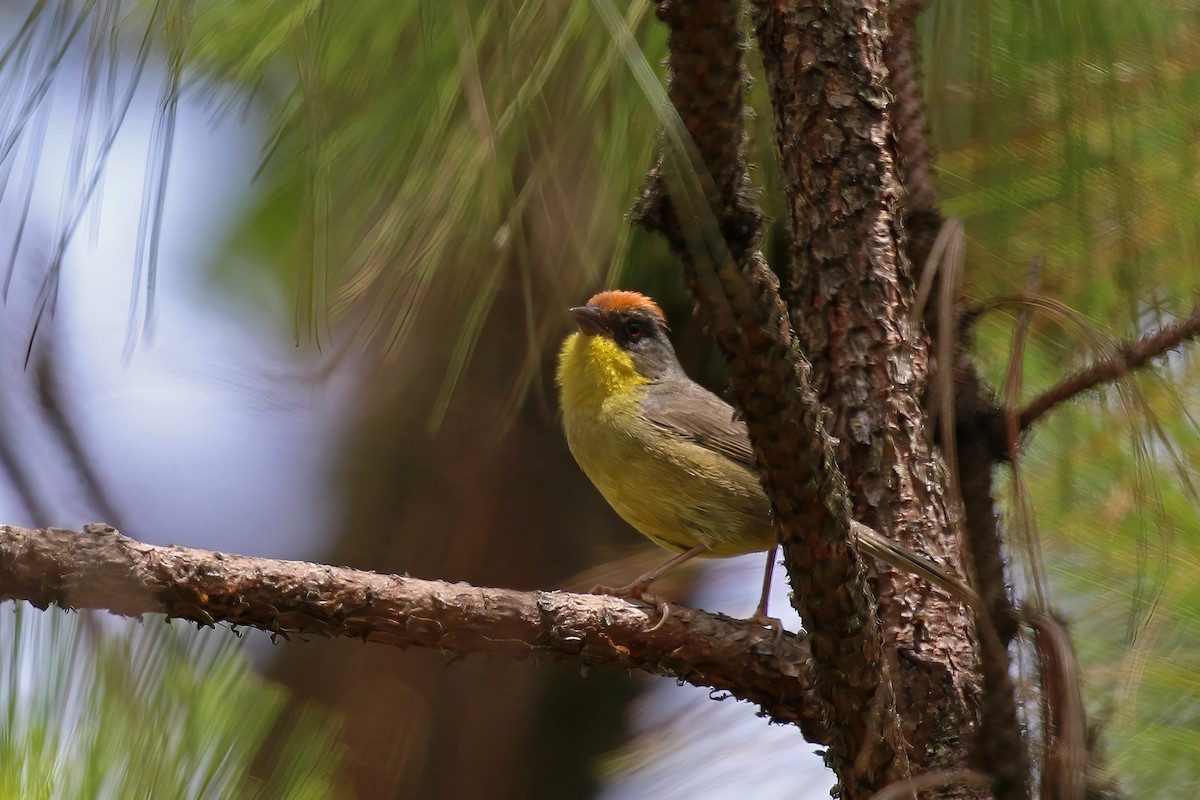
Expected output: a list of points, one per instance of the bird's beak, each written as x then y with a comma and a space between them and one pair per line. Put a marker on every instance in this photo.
590, 320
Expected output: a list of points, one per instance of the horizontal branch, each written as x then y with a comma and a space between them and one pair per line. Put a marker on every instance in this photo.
101, 569
1129, 356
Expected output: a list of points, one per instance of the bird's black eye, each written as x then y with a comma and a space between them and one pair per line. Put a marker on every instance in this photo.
633, 329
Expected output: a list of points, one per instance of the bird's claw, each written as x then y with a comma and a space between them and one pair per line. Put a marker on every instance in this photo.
773, 623
637, 591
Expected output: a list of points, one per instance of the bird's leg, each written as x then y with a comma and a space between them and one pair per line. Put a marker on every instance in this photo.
760, 613
637, 590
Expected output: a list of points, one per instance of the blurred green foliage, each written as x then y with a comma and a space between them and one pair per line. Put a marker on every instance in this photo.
414, 144
1071, 131
97, 710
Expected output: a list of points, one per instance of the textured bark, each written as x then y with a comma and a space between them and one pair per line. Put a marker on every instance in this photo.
697, 198
706, 86
914, 165
1003, 751
853, 292
99, 568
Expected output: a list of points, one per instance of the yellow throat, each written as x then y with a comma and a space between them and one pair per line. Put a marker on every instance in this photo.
593, 369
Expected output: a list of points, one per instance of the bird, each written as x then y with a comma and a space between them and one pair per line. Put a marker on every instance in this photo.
673, 459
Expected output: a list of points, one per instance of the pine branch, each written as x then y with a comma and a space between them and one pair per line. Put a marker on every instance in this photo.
700, 199
99, 568
900, 53
1129, 356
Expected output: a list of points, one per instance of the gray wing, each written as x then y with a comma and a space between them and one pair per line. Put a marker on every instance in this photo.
692, 412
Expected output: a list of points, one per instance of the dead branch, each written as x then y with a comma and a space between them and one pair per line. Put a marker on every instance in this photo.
1128, 357
99, 568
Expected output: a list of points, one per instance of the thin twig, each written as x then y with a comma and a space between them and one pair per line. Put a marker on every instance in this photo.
1129, 356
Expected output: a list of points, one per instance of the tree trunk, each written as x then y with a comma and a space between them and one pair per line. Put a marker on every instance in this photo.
895, 661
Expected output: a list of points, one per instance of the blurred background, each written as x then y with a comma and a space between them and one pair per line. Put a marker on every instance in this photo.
287, 279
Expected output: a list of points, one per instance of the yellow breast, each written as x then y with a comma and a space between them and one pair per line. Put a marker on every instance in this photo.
676, 492
593, 370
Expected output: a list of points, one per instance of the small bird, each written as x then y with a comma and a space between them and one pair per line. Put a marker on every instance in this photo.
671, 457
668, 455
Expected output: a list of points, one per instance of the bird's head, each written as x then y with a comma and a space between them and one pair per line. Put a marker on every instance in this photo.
635, 325
622, 342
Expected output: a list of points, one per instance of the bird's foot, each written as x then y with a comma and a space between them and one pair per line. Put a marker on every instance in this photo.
638, 590
774, 623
